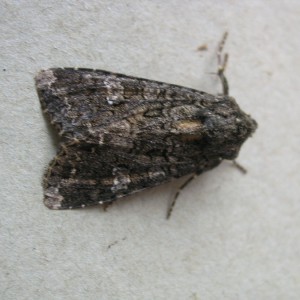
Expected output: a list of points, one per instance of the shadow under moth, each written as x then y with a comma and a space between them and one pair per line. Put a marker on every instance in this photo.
122, 134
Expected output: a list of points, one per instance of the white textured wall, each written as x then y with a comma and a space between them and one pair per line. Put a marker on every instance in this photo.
230, 236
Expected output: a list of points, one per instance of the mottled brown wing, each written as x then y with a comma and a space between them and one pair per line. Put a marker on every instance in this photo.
86, 174
106, 108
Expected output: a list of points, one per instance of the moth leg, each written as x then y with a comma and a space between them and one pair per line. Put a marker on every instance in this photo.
222, 62
239, 167
105, 205
177, 194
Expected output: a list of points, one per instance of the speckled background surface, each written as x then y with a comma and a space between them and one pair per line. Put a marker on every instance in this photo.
231, 236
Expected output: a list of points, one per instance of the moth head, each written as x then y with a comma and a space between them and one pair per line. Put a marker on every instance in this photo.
226, 127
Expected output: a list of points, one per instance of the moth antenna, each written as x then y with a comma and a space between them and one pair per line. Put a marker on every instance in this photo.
177, 194
222, 63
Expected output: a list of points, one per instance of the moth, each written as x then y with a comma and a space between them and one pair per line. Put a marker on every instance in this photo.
122, 134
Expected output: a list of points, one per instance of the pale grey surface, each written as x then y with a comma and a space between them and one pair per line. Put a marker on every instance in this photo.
230, 236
